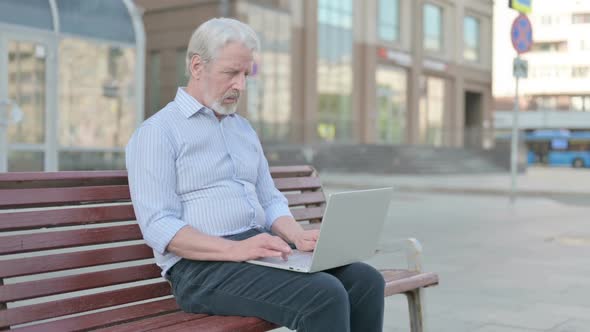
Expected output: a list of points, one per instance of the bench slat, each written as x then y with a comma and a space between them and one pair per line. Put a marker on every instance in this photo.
72, 283
38, 197
25, 180
308, 213
306, 198
291, 171
8, 177
155, 322
109, 317
221, 323
400, 281
15, 244
305, 183
34, 312
65, 217
57, 262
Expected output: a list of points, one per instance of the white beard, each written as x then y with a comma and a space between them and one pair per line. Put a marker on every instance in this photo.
219, 108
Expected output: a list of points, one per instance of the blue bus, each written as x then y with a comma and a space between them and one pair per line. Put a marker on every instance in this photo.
558, 147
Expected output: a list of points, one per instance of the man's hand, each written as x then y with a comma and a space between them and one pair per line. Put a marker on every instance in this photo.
306, 240
259, 246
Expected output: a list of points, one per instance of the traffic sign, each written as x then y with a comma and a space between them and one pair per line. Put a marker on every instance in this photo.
523, 6
520, 68
522, 34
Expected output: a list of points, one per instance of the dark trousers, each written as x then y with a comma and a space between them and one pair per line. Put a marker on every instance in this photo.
347, 298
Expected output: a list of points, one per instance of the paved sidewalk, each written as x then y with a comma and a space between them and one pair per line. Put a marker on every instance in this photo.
503, 267
536, 182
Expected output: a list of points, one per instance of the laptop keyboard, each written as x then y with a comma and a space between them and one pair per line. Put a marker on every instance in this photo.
298, 259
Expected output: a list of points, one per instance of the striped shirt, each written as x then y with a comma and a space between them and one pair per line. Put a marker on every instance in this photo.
186, 167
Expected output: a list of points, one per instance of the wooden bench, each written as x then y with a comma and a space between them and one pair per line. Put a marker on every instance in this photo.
72, 257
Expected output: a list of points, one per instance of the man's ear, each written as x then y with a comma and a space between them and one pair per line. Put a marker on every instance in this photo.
196, 66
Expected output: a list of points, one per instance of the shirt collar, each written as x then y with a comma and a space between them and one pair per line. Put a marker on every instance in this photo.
189, 105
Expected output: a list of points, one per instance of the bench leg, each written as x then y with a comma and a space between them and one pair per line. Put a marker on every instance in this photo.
416, 310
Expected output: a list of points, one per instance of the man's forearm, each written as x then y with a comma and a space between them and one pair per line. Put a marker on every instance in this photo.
191, 244
287, 228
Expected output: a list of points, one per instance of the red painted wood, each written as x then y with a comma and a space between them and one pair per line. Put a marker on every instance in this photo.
291, 171
303, 183
159, 322
221, 323
56, 262
306, 198
62, 175
401, 281
52, 286
308, 213
109, 317
14, 221
65, 239
36, 197
276, 171
34, 312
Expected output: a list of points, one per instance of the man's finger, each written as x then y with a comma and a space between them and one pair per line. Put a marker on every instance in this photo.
268, 253
277, 244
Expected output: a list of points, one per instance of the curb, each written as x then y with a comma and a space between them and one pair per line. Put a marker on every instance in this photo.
463, 190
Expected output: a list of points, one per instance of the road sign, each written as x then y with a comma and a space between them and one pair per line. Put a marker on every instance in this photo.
520, 68
522, 34
523, 6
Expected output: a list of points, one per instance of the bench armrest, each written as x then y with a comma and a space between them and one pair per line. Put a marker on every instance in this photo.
413, 251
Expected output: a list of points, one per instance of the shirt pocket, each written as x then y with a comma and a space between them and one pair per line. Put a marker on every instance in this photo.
246, 155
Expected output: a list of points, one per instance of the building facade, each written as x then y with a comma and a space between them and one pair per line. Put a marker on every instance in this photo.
71, 83
556, 93
389, 72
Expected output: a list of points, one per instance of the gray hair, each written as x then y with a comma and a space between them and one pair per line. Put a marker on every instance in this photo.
214, 34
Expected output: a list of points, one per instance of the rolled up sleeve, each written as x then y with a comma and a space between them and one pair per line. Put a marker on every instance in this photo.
150, 159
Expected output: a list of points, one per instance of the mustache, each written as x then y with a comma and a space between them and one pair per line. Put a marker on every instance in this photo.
232, 94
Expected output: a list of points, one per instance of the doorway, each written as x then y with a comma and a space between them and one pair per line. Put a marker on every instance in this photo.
26, 128
473, 115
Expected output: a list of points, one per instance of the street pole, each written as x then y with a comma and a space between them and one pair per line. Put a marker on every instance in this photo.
514, 145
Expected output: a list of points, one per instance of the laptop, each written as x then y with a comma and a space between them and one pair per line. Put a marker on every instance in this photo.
349, 232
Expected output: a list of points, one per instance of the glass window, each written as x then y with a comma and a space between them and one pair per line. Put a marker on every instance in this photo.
580, 103
580, 71
433, 28
391, 105
546, 102
269, 85
335, 70
25, 161
27, 88
31, 13
558, 46
388, 20
581, 18
87, 160
96, 100
181, 70
108, 20
154, 82
577, 103
432, 105
471, 37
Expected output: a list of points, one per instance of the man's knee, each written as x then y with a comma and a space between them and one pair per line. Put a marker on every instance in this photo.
328, 305
367, 277
329, 288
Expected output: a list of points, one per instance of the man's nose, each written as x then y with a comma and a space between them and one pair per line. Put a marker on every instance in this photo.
240, 82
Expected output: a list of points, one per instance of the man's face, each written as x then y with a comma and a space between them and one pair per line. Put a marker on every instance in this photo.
224, 78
